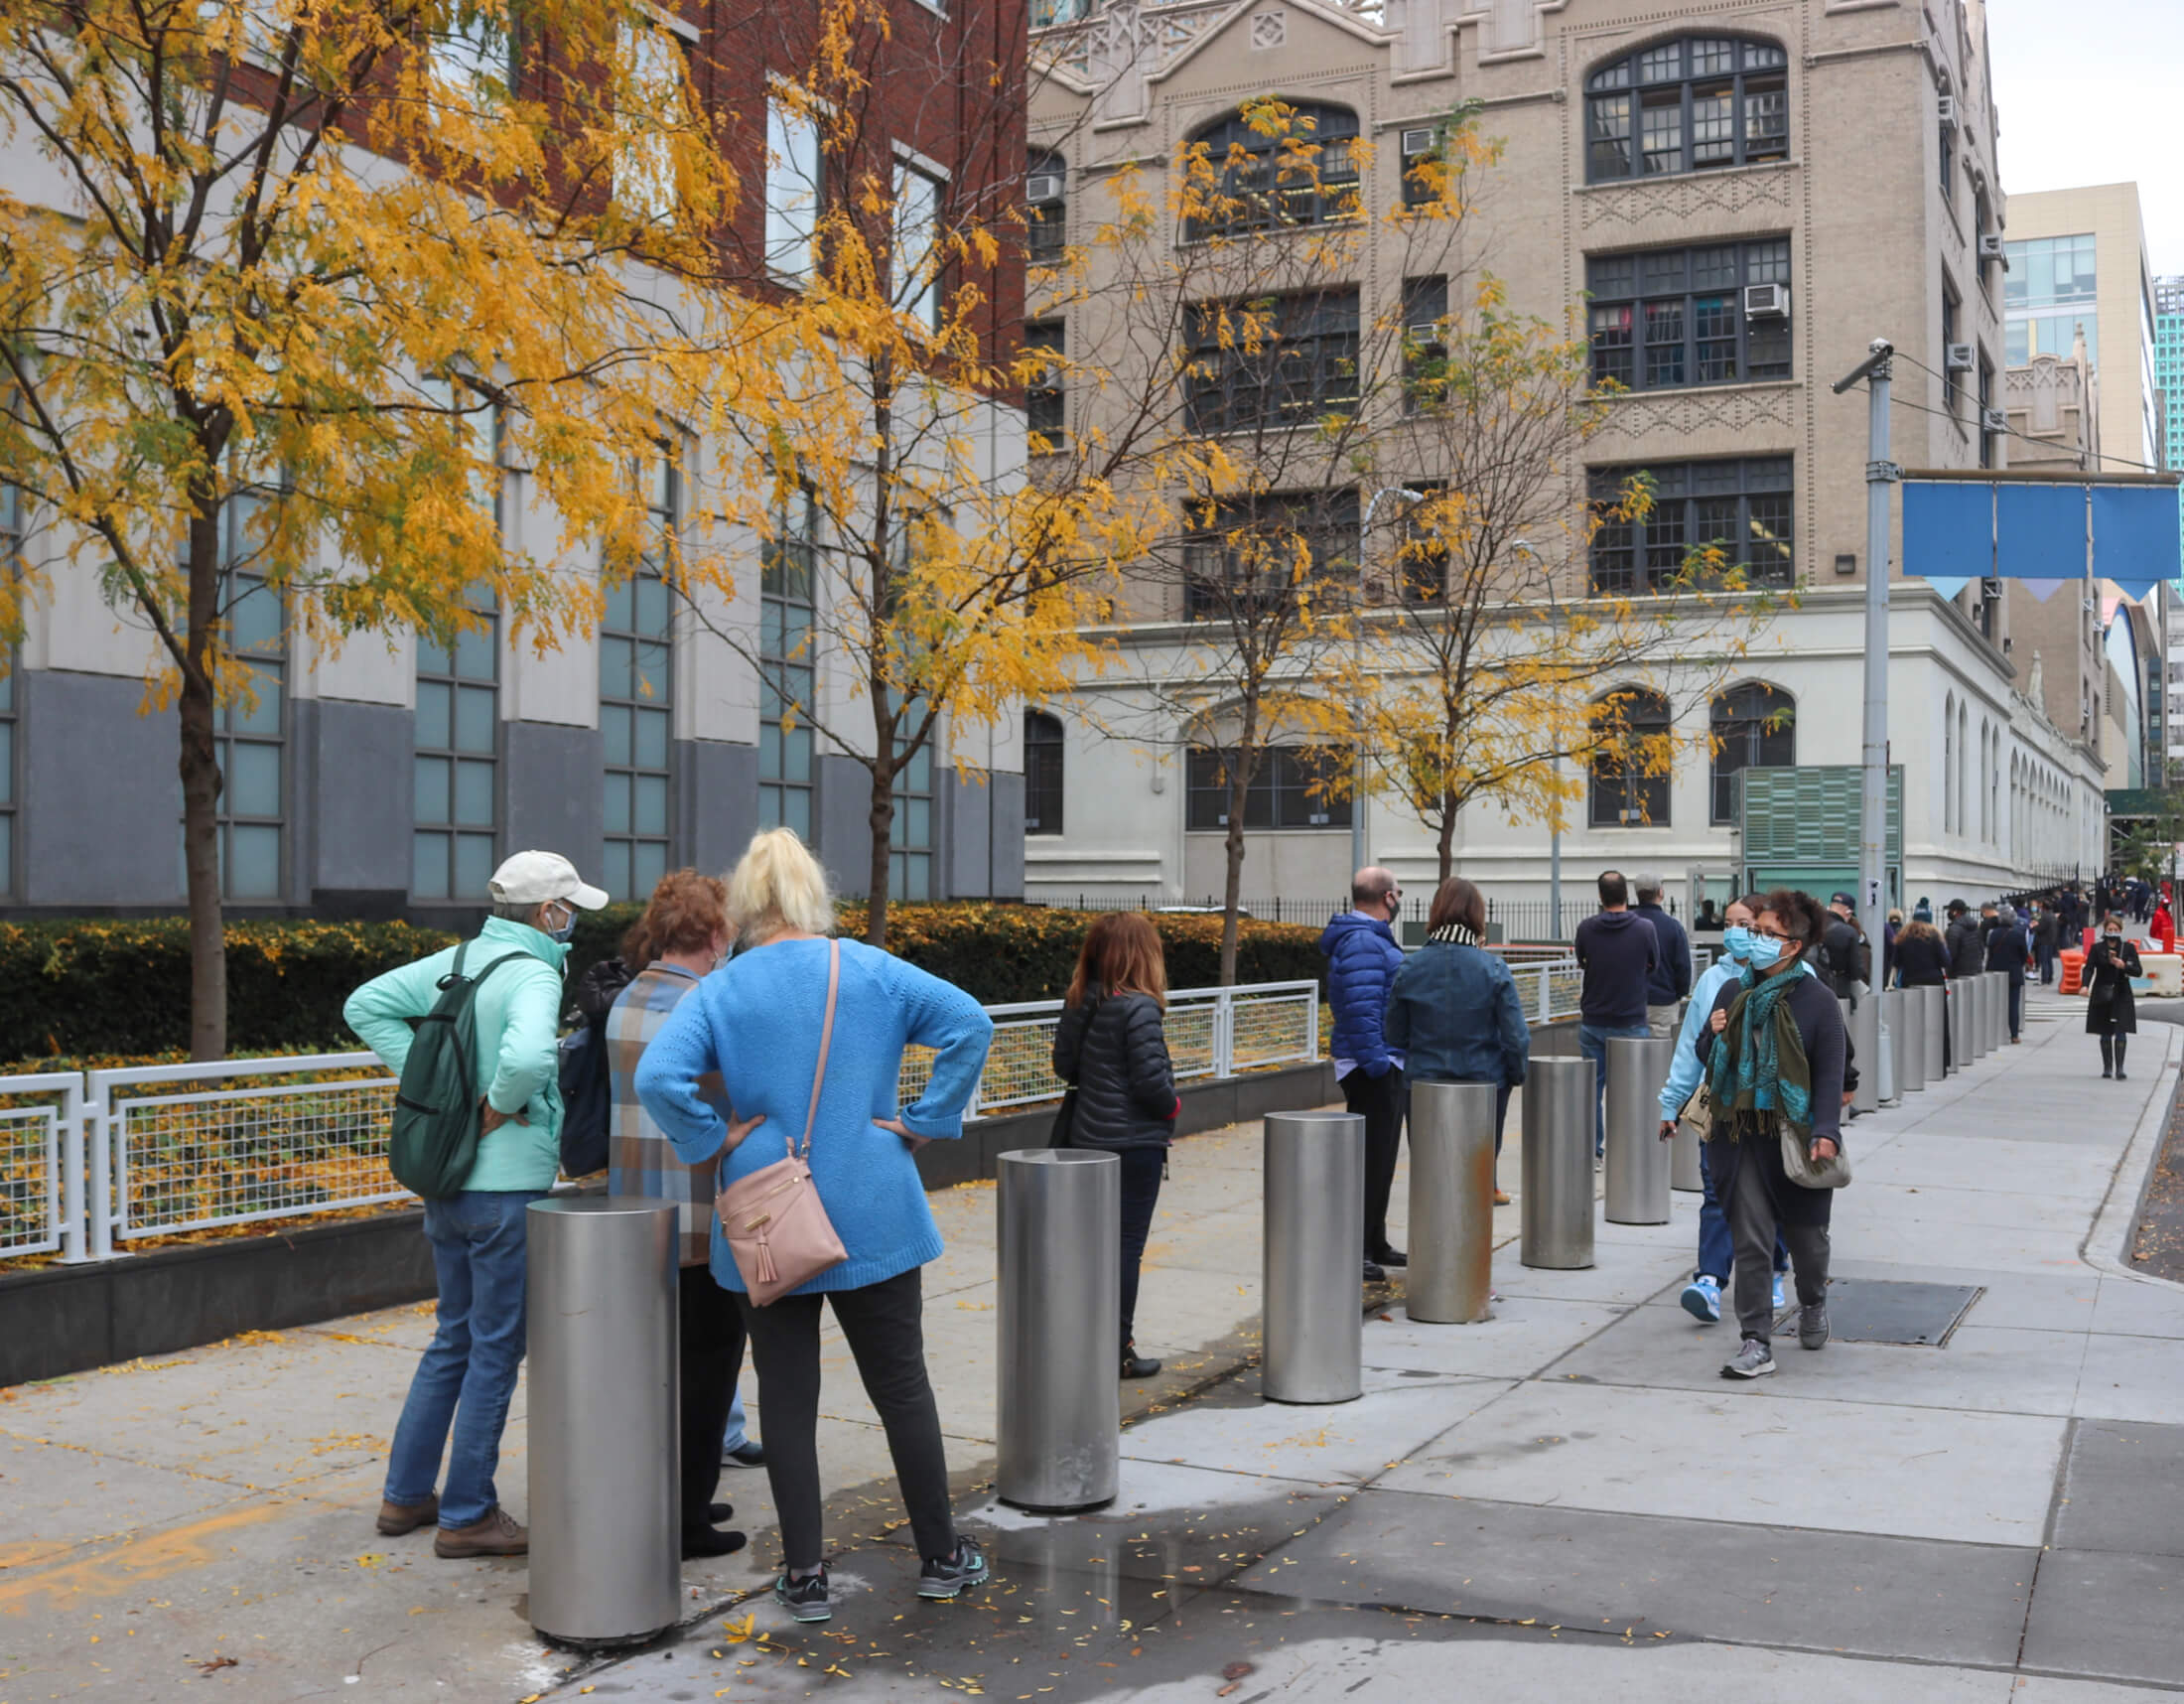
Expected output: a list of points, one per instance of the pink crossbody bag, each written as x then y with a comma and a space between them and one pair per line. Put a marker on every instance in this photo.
776, 1226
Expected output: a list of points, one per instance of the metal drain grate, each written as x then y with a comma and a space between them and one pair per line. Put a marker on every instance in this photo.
1879, 1311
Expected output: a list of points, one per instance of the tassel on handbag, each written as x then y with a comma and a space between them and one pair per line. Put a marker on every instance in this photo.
775, 1223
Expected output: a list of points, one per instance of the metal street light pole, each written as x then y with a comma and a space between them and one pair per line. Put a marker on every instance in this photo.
1359, 771
1880, 472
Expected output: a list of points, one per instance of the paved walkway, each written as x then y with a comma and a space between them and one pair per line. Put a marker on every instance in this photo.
1569, 1490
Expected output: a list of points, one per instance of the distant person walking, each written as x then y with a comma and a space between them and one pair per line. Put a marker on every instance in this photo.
479, 1236
1111, 1047
1616, 952
2046, 927
2008, 950
1966, 950
1668, 983
758, 1021
2112, 1008
1453, 1011
1362, 961
1701, 1297
681, 938
1774, 1048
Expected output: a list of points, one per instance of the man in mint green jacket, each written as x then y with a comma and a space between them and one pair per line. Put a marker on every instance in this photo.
468, 1373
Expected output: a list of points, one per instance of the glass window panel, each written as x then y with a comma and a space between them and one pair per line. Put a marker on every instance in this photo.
617, 607
474, 711
253, 862
428, 866
616, 678
796, 751
616, 868
253, 780
262, 715
254, 617
7, 692
649, 810
477, 656
1714, 125
7, 775
1709, 57
616, 735
1660, 132
793, 167
1662, 63
473, 865
435, 723
917, 822
770, 748
615, 789
1766, 120
648, 863
430, 779
1607, 123
650, 665
796, 810
1664, 343
652, 739
769, 807
474, 794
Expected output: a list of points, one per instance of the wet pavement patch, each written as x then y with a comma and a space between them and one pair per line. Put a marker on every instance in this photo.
1879, 1311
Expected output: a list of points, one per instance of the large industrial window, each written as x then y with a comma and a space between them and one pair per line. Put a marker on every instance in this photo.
1673, 317
1746, 507
786, 669
1253, 554
1754, 728
1691, 105
1042, 773
251, 730
1302, 173
910, 854
1295, 787
637, 690
1045, 403
1627, 792
1283, 361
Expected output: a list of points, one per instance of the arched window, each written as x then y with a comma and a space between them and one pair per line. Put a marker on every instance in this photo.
1299, 171
1041, 774
1755, 727
1949, 765
1630, 778
1689, 105
1046, 209
1964, 766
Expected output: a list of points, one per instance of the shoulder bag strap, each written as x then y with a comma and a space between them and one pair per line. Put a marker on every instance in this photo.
826, 1038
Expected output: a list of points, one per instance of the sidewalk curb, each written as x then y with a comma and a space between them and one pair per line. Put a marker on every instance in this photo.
2117, 1221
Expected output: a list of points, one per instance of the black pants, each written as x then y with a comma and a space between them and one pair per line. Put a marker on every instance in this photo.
711, 1345
2016, 1009
886, 1328
1380, 1101
1141, 1169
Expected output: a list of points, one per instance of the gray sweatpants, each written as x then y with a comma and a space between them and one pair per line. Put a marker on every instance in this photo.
1752, 1227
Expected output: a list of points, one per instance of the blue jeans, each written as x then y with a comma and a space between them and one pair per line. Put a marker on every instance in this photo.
1592, 1040
737, 1436
1716, 1248
469, 1371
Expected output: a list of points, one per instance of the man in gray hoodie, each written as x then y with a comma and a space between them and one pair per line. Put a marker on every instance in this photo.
1617, 951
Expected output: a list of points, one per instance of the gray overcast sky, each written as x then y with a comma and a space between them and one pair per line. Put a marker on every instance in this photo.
2089, 93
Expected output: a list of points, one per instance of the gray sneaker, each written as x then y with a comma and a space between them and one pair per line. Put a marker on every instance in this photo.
1753, 1360
1812, 1326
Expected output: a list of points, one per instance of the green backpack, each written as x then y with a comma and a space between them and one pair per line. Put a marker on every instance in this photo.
434, 1138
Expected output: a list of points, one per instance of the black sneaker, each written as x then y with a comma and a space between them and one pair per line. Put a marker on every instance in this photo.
806, 1600
946, 1576
1393, 1258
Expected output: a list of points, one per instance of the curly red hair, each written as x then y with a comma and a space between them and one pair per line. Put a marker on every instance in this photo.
684, 914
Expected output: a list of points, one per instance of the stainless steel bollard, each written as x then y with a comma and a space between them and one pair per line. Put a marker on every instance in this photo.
1637, 1158
1451, 1202
604, 1405
1983, 995
1683, 1173
1865, 1037
1889, 1088
1998, 1012
1934, 1028
1058, 1327
1557, 1163
1314, 1252
1907, 1012
1958, 996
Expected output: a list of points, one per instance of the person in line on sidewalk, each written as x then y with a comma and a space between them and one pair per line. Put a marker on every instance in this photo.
1846, 955
680, 940
2008, 948
1701, 1297
758, 1020
1362, 960
2112, 1008
1774, 1050
1967, 952
1453, 1011
1923, 912
468, 1373
1922, 961
2045, 927
1109, 1047
1616, 950
1668, 983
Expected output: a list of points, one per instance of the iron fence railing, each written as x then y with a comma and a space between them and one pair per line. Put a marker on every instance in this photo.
92, 1161
1519, 919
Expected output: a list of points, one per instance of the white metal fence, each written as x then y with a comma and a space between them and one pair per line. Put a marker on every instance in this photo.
88, 1161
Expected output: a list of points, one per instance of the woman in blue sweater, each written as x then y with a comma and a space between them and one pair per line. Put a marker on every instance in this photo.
757, 1022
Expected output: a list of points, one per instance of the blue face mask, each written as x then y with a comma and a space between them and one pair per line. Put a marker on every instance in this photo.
1765, 952
566, 932
1736, 941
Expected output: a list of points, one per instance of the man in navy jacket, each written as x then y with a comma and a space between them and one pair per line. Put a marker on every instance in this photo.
1362, 960
1617, 951
1668, 983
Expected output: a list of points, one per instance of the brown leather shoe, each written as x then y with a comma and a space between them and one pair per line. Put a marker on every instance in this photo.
496, 1533
396, 1518
1501, 1197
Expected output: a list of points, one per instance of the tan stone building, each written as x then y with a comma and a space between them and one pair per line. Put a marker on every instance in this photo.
1739, 197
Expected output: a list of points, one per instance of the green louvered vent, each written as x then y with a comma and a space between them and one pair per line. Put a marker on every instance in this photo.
1809, 815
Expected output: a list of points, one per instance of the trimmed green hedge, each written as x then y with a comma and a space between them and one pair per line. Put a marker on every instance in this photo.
93, 986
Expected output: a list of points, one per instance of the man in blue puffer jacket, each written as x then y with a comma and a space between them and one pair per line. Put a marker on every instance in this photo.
1362, 961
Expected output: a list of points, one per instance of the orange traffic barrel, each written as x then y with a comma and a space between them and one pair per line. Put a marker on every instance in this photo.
2074, 969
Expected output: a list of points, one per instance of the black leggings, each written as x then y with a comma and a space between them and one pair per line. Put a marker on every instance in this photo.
884, 1326
711, 1354
1141, 1169
2113, 1043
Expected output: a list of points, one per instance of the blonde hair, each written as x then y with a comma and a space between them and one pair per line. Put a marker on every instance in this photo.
779, 885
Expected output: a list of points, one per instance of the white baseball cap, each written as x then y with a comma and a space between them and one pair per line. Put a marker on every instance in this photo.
533, 878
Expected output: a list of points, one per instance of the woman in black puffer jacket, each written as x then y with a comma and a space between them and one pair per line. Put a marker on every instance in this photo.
1111, 1049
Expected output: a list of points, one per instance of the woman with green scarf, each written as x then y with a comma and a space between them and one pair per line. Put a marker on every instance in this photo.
1774, 1050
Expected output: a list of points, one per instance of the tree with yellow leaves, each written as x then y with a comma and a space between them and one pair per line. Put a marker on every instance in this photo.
283, 285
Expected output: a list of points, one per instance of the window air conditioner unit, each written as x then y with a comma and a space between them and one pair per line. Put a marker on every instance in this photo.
1959, 358
1423, 333
1043, 187
1990, 247
1993, 420
1417, 142
1766, 301
1949, 110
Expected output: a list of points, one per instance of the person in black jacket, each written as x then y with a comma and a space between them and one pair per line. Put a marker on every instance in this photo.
1846, 955
1967, 948
2112, 1010
1111, 1049
1922, 961
2009, 949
